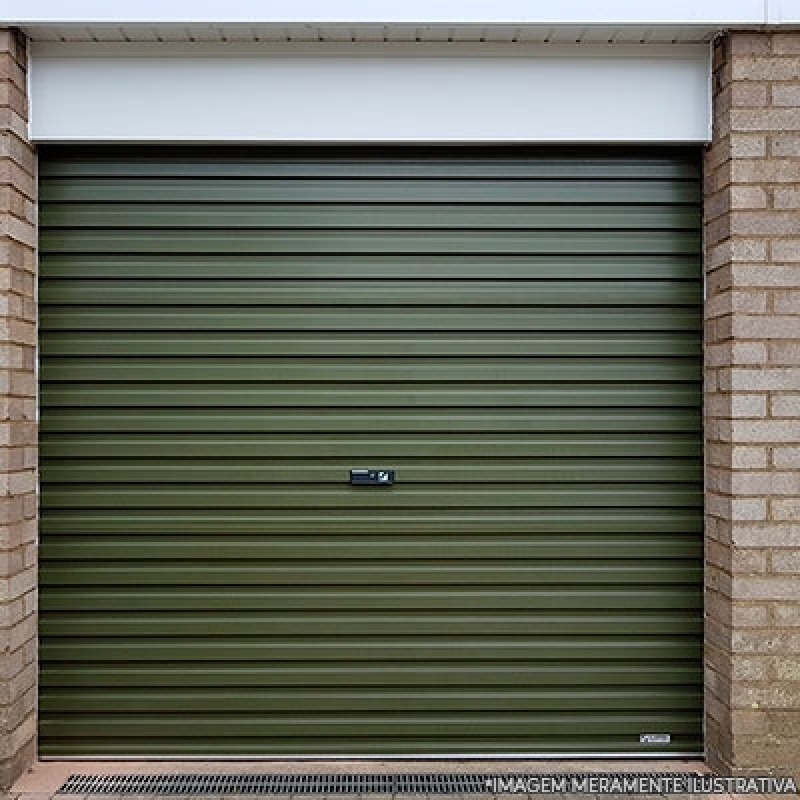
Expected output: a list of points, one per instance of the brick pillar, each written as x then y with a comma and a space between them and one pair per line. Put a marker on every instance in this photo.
18, 423
753, 406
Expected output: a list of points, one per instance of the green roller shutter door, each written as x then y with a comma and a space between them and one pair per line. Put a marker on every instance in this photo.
226, 333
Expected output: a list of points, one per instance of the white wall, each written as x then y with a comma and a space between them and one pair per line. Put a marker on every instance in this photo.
381, 94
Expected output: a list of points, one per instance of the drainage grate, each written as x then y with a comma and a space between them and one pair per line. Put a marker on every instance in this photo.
274, 784
424, 783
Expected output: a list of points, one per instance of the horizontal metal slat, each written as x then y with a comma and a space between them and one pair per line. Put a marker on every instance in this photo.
436, 746
367, 726
196, 344
333, 164
442, 370
605, 675
348, 190
251, 294
212, 319
371, 702
446, 522
275, 547
344, 242
565, 598
364, 447
397, 649
288, 747
237, 396
240, 216
348, 497
266, 625
364, 573
388, 267
253, 471
391, 421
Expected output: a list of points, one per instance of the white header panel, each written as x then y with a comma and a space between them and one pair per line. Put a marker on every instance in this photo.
414, 12
362, 94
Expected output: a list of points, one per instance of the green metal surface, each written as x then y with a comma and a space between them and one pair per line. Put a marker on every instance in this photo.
226, 333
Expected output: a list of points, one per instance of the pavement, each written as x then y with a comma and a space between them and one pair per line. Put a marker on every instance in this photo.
42, 781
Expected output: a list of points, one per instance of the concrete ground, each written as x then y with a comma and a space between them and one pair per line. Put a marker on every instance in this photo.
43, 780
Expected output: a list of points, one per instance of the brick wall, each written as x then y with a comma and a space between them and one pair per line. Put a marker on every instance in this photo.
752, 409
18, 423
753, 405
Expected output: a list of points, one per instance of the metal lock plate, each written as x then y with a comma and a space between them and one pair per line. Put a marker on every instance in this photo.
371, 477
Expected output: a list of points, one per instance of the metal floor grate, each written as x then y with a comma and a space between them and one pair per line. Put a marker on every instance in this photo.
273, 784
168, 785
